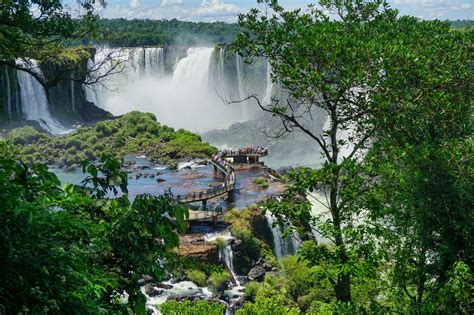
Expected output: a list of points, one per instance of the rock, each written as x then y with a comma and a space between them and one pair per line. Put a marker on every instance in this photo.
145, 279
267, 266
257, 273
159, 179
164, 286
151, 290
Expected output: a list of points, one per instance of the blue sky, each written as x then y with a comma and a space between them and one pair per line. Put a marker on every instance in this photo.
227, 10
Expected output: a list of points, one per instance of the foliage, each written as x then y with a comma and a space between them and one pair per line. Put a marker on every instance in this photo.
197, 277
134, 132
261, 182
219, 281
269, 301
398, 139
40, 30
68, 250
130, 33
251, 290
191, 308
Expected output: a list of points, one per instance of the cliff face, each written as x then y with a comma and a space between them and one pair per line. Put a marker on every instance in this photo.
66, 95
10, 96
67, 101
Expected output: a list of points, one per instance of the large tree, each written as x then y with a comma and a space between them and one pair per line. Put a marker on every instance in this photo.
387, 84
332, 64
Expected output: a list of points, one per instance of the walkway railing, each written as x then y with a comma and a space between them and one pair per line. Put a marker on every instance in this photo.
220, 164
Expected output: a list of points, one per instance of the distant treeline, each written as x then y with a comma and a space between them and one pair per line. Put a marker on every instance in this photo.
462, 24
122, 32
132, 33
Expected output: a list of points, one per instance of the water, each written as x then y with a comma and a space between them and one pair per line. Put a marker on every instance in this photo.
9, 97
284, 246
188, 97
73, 100
34, 102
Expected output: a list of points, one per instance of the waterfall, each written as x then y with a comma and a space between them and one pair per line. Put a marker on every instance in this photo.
225, 252
154, 61
284, 246
9, 96
269, 86
239, 65
34, 101
73, 100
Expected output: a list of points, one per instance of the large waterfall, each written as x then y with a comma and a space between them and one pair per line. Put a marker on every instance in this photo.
187, 95
34, 102
9, 92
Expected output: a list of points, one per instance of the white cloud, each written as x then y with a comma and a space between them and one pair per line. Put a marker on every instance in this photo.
166, 3
461, 6
214, 8
134, 4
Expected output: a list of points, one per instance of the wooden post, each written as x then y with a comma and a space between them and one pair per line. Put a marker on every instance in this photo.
214, 220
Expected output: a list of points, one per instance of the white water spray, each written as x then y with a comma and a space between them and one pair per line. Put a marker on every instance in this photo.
34, 101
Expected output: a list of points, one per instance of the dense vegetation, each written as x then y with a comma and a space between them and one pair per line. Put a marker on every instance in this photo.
398, 210
126, 33
132, 133
69, 250
396, 183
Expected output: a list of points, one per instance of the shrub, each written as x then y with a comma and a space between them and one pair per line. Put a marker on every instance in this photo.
190, 308
219, 281
196, 276
261, 182
270, 301
251, 290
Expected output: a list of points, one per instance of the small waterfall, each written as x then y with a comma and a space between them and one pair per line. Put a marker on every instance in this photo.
9, 96
269, 87
225, 252
284, 246
73, 98
239, 65
154, 61
34, 101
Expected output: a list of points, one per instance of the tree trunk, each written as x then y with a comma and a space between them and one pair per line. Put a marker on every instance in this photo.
343, 285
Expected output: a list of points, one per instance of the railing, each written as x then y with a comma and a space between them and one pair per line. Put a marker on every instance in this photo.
229, 174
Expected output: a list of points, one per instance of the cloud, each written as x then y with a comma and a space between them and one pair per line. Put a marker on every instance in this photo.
215, 8
461, 6
166, 3
134, 4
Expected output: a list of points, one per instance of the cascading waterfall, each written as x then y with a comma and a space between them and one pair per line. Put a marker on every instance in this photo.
73, 99
269, 87
184, 98
9, 96
34, 101
239, 65
284, 246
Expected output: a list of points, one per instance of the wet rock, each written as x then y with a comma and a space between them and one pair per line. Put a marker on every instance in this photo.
257, 273
145, 279
151, 290
164, 286
159, 180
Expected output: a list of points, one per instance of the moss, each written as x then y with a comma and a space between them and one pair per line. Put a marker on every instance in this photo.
132, 133
25, 135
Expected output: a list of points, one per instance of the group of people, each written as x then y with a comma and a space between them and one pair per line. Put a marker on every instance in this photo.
219, 159
257, 150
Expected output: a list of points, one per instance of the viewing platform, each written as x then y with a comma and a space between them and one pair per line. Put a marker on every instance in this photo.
222, 167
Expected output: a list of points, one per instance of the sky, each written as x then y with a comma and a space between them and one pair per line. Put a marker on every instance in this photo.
227, 10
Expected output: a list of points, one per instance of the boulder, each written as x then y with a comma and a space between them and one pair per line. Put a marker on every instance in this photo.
257, 273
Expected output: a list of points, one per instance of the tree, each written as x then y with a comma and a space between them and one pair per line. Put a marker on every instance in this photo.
72, 249
41, 30
333, 65
422, 153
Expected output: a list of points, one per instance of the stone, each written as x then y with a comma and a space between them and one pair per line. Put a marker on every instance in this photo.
257, 273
